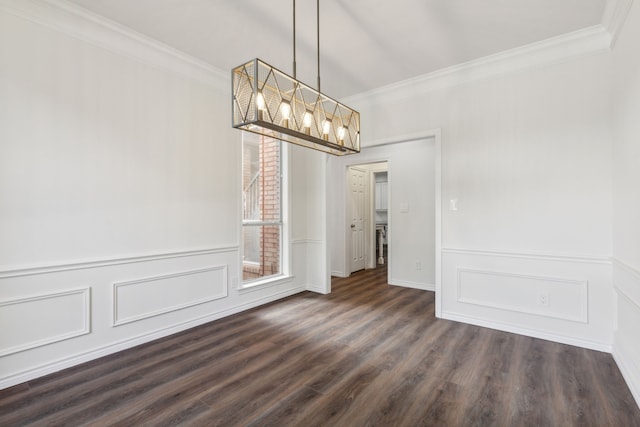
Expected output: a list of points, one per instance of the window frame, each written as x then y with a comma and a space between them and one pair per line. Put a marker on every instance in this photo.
285, 249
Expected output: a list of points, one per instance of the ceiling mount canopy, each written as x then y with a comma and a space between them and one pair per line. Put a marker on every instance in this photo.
269, 102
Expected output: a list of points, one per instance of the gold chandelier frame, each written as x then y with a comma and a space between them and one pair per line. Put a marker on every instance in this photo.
269, 102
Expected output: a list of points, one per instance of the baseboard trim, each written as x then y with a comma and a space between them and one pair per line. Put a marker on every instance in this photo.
317, 289
591, 345
624, 359
68, 362
413, 285
339, 274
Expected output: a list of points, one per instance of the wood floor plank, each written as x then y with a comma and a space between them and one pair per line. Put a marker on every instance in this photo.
366, 354
177, 391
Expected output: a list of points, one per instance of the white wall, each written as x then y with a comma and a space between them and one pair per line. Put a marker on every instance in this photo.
411, 167
120, 193
527, 154
308, 221
626, 198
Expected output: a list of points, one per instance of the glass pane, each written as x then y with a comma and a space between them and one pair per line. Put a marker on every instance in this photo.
260, 178
261, 251
270, 160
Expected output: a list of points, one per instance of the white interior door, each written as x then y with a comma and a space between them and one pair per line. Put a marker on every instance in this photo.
357, 186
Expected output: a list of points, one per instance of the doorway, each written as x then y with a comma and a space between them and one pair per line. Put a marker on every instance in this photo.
367, 213
414, 210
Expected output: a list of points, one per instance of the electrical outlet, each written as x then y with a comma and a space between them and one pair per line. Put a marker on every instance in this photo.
543, 299
418, 265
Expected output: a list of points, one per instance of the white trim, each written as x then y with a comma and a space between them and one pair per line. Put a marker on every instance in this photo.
286, 246
306, 241
267, 282
629, 367
558, 49
531, 255
116, 321
79, 23
626, 281
85, 329
614, 16
77, 359
409, 137
437, 134
107, 262
583, 284
339, 274
317, 289
431, 134
413, 285
527, 332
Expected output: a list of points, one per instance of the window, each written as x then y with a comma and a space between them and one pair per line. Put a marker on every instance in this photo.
262, 224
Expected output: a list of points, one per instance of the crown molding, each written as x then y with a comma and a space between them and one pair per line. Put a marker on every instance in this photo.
77, 22
81, 24
587, 41
614, 16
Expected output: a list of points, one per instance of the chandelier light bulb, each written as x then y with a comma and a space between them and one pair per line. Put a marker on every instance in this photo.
261, 105
341, 133
285, 110
260, 102
326, 127
306, 122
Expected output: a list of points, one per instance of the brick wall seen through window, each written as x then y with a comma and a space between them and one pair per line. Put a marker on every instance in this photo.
262, 207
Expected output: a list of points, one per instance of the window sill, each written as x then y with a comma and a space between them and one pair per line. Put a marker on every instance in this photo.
264, 283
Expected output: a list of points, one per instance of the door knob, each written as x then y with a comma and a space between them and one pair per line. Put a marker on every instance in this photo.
353, 226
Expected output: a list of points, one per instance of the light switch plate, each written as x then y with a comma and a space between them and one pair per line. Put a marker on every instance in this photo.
404, 207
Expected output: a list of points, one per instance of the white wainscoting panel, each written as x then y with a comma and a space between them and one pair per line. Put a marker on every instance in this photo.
143, 298
626, 345
172, 291
33, 321
563, 299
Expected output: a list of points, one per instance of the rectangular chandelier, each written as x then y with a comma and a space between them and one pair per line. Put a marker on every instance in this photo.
268, 102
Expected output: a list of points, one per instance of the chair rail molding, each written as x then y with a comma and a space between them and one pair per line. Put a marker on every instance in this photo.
107, 262
542, 256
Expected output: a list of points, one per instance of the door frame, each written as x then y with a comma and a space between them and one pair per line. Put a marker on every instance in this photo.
362, 158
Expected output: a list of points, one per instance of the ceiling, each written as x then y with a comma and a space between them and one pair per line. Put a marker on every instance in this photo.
363, 44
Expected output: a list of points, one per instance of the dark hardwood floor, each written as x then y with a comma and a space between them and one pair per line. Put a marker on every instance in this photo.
368, 354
